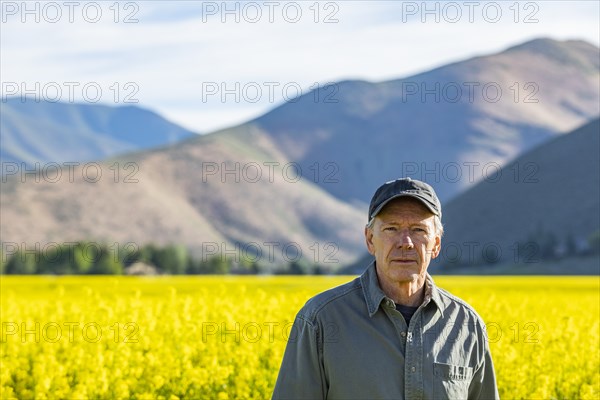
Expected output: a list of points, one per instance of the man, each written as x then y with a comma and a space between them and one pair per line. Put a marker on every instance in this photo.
390, 333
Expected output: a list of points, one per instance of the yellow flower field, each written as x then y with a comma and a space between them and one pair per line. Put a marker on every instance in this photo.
223, 337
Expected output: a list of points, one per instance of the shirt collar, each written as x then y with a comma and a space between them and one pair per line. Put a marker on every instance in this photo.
371, 290
374, 295
432, 293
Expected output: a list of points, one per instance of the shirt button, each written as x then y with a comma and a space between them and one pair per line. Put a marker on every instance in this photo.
413, 369
403, 334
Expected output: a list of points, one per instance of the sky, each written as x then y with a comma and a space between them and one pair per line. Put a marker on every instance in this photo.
207, 65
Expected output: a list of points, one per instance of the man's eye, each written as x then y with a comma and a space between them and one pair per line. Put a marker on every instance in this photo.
419, 229
389, 229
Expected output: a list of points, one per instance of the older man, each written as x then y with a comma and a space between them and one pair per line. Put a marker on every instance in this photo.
390, 333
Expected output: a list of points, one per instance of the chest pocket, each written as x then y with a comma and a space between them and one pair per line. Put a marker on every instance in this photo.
451, 381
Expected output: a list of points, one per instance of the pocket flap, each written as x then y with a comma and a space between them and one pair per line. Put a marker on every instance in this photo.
453, 372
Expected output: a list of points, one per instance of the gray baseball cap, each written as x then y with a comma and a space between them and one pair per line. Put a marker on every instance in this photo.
405, 187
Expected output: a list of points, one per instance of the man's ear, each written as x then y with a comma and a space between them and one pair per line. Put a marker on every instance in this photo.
369, 240
436, 247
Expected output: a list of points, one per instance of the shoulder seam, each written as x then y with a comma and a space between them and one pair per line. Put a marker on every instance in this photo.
300, 316
462, 303
311, 315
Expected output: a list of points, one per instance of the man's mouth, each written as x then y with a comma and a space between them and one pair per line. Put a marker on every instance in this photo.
404, 260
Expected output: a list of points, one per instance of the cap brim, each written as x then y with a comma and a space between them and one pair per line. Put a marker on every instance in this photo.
422, 200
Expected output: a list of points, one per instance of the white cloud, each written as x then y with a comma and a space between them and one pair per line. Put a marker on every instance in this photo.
175, 50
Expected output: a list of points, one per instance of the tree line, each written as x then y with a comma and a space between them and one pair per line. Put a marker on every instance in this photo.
547, 246
92, 258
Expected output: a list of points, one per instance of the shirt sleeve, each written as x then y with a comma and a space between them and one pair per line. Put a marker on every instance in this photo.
483, 386
301, 374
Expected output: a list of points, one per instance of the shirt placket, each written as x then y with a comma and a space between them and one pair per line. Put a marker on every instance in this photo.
413, 357
411, 344
399, 324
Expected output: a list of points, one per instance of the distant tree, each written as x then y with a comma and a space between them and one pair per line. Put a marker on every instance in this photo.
247, 264
130, 254
57, 259
172, 259
570, 245
218, 265
3, 261
147, 254
193, 266
106, 264
82, 261
594, 242
526, 251
254, 268
180, 256
491, 255
318, 270
548, 246
22, 263
296, 268
200, 266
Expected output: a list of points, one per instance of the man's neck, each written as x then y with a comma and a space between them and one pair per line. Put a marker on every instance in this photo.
409, 293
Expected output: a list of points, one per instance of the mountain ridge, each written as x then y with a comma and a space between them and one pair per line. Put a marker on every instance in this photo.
502, 224
472, 131
198, 191
42, 132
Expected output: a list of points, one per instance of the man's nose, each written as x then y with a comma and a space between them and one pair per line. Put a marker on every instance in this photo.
405, 239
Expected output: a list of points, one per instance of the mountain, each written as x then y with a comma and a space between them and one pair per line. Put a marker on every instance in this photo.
249, 207
549, 196
449, 126
537, 203
45, 132
296, 179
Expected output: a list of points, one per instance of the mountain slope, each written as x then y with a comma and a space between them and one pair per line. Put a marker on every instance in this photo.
554, 189
62, 132
551, 191
239, 186
440, 124
171, 196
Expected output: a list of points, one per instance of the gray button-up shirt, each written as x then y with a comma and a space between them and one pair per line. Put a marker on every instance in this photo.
350, 342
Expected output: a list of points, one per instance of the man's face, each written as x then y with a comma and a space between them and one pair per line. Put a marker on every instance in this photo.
403, 240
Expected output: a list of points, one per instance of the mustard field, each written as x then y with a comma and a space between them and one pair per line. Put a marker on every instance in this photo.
224, 337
